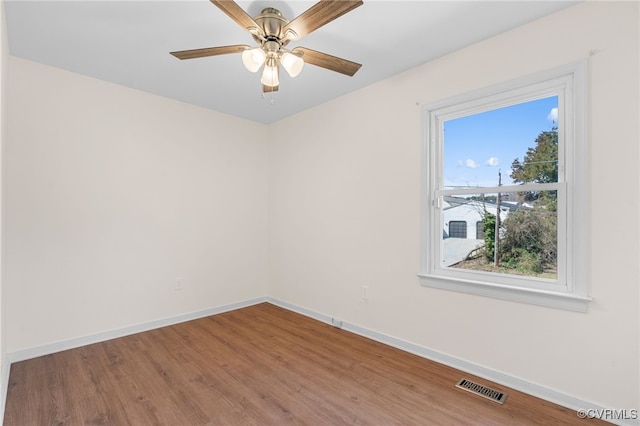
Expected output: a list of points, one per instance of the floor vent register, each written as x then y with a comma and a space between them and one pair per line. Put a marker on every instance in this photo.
478, 389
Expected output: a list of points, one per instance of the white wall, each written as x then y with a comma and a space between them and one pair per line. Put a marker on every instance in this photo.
345, 212
4, 54
111, 194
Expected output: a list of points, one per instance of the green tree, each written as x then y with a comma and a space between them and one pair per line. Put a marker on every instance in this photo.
530, 235
540, 165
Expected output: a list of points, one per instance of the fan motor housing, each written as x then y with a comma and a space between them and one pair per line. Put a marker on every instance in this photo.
271, 21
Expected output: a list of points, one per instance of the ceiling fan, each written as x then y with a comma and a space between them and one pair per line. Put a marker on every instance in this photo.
273, 32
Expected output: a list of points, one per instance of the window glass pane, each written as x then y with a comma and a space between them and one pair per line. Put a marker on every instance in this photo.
527, 235
520, 141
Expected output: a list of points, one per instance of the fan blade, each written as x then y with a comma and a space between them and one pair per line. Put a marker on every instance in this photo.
327, 61
238, 14
210, 51
318, 15
269, 89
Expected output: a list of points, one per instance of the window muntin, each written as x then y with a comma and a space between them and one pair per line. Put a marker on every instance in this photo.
566, 288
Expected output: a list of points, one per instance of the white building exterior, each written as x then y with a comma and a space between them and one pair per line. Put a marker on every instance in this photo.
462, 227
463, 218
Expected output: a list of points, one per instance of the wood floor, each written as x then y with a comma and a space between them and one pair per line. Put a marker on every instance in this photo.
260, 365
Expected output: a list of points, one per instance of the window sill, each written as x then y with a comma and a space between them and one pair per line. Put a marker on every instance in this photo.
558, 300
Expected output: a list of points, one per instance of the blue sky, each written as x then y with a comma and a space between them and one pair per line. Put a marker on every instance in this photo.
477, 146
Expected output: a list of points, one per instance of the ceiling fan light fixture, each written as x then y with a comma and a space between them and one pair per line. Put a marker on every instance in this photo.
270, 73
273, 32
252, 59
292, 63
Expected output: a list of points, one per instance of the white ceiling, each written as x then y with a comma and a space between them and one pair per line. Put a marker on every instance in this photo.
128, 43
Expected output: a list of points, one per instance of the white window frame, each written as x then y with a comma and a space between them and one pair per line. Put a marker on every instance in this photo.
569, 291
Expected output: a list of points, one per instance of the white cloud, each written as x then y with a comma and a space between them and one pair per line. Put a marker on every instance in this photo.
472, 164
493, 162
553, 115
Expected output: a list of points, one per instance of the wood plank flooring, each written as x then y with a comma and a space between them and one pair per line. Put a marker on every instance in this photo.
260, 365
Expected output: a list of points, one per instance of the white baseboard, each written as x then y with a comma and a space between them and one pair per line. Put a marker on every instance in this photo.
121, 332
507, 380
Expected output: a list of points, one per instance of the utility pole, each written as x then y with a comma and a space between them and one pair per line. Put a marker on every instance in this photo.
496, 247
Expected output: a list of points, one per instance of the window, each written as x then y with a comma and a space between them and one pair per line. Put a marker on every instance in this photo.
511, 159
479, 230
457, 229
